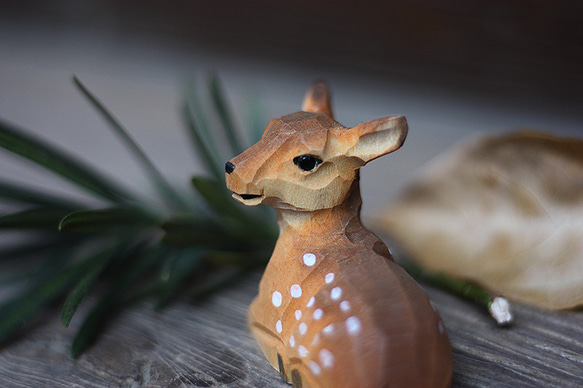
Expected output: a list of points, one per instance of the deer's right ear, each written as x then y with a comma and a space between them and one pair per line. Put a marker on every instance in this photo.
317, 99
378, 137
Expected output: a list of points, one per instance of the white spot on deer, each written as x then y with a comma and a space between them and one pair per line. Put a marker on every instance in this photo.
303, 351
441, 327
298, 314
309, 259
292, 341
329, 278
276, 298
326, 358
345, 306
353, 325
278, 326
311, 302
314, 367
295, 290
336, 293
303, 328
328, 329
318, 314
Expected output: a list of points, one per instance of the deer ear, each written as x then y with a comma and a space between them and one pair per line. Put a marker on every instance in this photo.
317, 99
378, 137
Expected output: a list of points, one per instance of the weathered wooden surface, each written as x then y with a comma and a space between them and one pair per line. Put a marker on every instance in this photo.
207, 344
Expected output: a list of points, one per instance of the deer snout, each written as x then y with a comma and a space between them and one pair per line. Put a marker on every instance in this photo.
240, 183
229, 167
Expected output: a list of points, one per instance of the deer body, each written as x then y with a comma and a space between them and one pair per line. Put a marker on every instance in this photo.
333, 309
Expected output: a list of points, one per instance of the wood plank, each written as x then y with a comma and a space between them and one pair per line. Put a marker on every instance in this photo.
207, 344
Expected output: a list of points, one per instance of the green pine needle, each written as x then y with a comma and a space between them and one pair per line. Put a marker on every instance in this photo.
104, 220
221, 107
60, 162
201, 144
19, 194
127, 248
36, 218
173, 200
78, 294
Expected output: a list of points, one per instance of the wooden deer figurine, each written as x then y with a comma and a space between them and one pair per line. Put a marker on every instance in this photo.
334, 310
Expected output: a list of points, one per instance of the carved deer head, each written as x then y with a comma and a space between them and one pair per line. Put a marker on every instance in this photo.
307, 161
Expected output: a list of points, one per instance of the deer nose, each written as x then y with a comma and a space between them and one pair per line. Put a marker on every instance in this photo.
229, 167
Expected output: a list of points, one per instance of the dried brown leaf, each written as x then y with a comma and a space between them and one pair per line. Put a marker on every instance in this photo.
505, 212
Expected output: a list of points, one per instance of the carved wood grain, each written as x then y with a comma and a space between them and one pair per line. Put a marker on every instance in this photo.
208, 345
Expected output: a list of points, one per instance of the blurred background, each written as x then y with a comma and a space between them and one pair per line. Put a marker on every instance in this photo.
454, 68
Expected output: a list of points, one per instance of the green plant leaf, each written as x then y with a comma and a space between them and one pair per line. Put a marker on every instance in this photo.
221, 201
256, 123
217, 197
119, 246
205, 233
36, 218
16, 312
198, 115
139, 260
81, 289
179, 267
21, 194
104, 220
171, 197
259, 257
93, 323
208, 156
58, 161
221, 106
217, 280
41, 246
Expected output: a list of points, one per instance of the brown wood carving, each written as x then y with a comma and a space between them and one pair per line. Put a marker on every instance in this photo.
334, 310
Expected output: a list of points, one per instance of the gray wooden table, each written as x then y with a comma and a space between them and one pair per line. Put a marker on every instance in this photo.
208, 344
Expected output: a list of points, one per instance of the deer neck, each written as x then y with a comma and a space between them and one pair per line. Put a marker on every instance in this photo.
322, 226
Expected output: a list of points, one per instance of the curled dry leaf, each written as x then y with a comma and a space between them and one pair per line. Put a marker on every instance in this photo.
505, 212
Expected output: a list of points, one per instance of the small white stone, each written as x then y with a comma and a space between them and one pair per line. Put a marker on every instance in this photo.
318, 314
336, 293
353, 325
309, 259
276, 298
326, 358
303, 328
298, 314
500, 310
345, 306
303, 351
328, 329
329, 278
311, 302
295, 290
314, 367
292, 341
278, 326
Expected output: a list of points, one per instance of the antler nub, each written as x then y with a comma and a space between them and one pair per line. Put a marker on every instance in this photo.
317, 99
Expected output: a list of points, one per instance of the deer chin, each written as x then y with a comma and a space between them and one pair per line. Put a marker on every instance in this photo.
248, 199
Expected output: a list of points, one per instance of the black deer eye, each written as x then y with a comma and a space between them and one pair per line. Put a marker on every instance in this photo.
307, 162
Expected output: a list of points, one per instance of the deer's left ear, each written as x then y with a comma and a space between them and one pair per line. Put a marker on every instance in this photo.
378, 137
